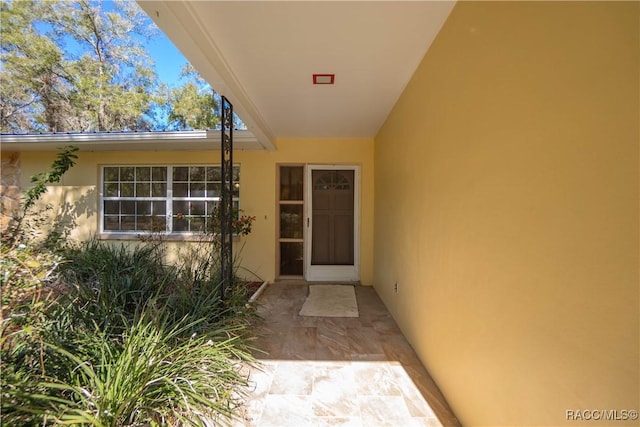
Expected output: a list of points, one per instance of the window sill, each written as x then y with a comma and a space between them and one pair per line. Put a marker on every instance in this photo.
158, 236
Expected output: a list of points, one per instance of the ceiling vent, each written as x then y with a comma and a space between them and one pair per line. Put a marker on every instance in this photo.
323, 79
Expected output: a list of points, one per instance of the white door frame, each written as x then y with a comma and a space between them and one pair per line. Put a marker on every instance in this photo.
331, 273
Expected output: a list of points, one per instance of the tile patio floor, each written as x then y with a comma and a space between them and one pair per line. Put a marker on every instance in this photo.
337, 371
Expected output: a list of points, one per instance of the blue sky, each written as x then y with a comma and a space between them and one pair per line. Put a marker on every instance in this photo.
167, 57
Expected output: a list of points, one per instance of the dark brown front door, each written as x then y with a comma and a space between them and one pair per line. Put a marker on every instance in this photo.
333, 220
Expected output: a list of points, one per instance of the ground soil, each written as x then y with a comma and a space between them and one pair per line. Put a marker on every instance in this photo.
252, 287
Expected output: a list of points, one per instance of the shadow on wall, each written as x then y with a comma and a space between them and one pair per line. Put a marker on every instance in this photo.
10, 191
73, 203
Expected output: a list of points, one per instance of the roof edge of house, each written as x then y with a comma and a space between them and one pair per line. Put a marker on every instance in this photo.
127, 141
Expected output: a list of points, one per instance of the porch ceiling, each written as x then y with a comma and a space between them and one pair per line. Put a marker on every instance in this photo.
262, 54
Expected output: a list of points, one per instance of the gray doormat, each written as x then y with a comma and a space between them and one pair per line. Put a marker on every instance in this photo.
330, 301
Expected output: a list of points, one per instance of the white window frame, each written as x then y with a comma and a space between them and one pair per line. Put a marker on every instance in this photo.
168, 198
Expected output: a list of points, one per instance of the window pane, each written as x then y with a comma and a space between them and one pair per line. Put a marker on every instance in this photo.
127, 174
197, 208
112, 223
111, 189
197, 189
159, 223
291, 182
180, 207
236, 173
159, 208
126, 190
143, 190
197, 224
197, 173
128, 207
213, 190
180, 224
180, 190
159, 189
143, 174
159, 173
291, 259
212, 206
213, 174
111, 174
128, 223
291, 221
143, 208
181, 174
111, 207
145, 223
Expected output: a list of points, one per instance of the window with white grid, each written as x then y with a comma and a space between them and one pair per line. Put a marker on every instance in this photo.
169, 199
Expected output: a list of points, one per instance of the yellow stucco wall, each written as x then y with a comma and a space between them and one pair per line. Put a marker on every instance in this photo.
77, 197
10, 194
506, 203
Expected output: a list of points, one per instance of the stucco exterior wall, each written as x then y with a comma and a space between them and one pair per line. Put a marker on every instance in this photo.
76, 198
10, 191
506, 203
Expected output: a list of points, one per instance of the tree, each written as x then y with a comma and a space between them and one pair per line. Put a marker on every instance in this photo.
75, 66
33, 80
192, 105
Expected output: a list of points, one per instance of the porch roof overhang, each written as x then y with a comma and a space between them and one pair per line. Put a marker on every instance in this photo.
262, 55
197, 140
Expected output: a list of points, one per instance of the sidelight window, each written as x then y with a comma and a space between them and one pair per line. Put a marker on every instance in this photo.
291, 224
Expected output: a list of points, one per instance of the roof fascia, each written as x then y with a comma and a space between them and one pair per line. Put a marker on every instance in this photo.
128, 141
186, 30
71, 137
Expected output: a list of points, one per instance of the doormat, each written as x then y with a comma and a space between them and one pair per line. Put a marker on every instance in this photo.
330, 301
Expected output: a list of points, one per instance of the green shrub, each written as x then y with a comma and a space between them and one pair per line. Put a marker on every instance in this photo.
154, 377
109, 284
125, 340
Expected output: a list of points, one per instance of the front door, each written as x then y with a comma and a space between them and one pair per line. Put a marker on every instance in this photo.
332, 223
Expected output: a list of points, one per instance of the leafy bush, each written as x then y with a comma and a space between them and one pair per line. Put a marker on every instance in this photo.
112, 283
28, 267
26, 273
126, 340
154, 377
30, 284
109, 284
